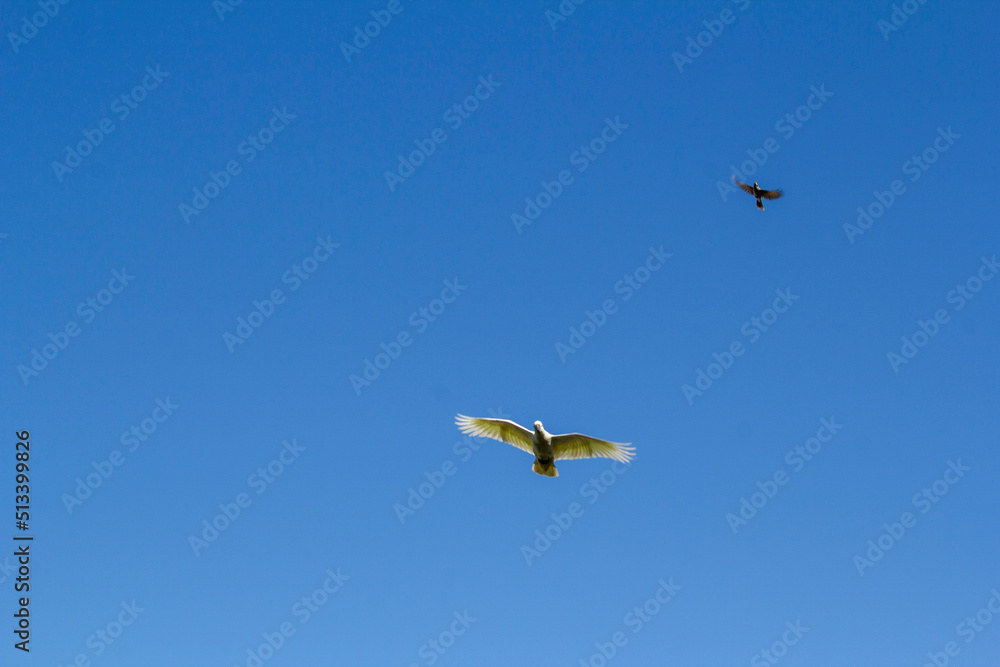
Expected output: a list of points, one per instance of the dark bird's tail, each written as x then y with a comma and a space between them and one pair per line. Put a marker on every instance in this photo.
547, 469
760, 204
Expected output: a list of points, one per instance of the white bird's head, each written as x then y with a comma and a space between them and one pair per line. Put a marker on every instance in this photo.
755, 184
538, 426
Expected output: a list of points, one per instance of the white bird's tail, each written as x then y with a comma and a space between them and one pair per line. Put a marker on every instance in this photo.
548, 469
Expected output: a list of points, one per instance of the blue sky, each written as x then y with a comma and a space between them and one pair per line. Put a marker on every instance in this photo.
201, 246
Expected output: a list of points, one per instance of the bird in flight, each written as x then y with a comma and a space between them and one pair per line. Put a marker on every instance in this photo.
757, 192
543, 445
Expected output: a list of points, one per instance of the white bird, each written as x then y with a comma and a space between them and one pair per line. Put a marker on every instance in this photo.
758, 192
545, 446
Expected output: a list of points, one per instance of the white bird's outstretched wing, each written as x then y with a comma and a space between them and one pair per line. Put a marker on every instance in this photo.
498, 429
578, 446
746, 188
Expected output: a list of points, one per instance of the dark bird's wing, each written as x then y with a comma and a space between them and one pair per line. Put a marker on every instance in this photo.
577, 446
746, 188
498, 429
771, 194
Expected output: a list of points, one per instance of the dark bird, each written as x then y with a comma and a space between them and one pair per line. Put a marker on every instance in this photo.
757, 192
545, 447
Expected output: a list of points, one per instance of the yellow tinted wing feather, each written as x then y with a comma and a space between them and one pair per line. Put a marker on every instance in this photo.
503, 430
578, 446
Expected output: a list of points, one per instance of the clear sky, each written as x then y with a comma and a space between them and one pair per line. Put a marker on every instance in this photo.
255, 261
